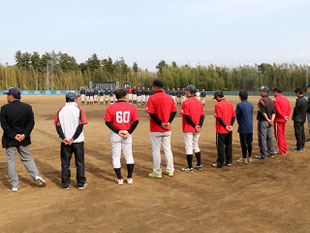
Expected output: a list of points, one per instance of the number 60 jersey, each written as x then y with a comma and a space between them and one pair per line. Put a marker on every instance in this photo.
121, 115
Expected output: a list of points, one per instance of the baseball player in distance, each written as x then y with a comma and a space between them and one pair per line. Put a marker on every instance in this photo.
83, 96
122, 119
69, 122
162, 111
225, 117
193, 117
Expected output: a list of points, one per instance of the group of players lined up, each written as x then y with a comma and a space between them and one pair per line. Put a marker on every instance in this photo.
135, 95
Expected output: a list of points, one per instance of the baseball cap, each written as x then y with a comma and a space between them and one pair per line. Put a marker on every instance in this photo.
12, 91
276, 89
158, 83
218, 93
191, 88
264, 88
71, 95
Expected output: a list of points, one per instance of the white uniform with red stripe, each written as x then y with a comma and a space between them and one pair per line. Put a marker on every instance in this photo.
69, 118
121, 115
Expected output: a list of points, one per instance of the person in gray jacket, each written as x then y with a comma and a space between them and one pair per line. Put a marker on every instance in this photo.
299, 118
308, 111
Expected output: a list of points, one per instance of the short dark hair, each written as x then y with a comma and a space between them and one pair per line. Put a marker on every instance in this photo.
243, 94
120, 93
277, 89
299, 90
158, 83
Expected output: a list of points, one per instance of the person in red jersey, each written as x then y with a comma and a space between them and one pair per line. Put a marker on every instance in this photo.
193, 117
283, 112
225, 117
129, 98
162, 111
122, 119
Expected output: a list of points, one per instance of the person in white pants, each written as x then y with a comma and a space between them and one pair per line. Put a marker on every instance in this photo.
193, 117
122, 119
162, 111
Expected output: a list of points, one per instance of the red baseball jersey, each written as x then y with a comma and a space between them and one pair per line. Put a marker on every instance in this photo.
121, 115
130, 91
283, 108
193, 108
226, 111
162, 105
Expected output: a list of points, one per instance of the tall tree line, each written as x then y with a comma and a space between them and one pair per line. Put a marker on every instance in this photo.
60, 71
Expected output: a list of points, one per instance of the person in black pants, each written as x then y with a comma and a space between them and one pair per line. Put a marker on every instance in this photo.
225, 117
299, 118
244, 113
69, 123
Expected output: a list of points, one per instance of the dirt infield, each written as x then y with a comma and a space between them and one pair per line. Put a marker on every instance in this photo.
266, 196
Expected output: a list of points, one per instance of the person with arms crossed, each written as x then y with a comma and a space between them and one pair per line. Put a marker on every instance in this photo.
225, 117
162, 111
299, 118
122, 119
17, 122
283, 112
69, 123
193, 117
265, 116
244, 114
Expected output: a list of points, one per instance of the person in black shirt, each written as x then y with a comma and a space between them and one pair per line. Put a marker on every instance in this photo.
299, 118
82, 92
87, 96
101, 94
96, 93
265, 116
179, 97
203, 96
308, 111
17, 122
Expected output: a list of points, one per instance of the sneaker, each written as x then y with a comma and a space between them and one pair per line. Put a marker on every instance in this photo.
271, 156
120, 181
66, 188
259, 157
250, 160
15, 189
216, 165
129, 180
170, 174
40, 182
242, 160
198, 167
302, 150
298, 150
227, 164
187, 169
83, 187
154, 175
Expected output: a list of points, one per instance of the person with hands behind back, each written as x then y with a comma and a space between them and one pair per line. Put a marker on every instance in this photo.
193, 117
122, 119
69, 123
225, 117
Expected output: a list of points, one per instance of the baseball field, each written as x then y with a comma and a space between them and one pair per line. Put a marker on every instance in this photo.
271, 195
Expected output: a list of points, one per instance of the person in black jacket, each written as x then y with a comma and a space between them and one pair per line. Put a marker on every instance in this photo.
17, 122
299, 118
308, 111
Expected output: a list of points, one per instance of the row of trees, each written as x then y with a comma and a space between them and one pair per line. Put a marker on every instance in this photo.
61, 71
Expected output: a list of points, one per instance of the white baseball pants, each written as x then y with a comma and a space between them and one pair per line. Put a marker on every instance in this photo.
82, 97
191, 140
119, 145
159, 139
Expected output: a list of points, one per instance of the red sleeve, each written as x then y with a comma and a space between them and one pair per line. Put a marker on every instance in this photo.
135, 116
218, 112
108, 115
184, 109
56, 121
83, 119
150, 106
278, 109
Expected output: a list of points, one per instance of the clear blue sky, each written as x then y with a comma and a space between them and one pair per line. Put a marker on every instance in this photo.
223, 32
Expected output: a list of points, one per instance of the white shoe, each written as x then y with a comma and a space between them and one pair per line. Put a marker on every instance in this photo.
120, 181
40, 182
129, 180
15, 189
83, 187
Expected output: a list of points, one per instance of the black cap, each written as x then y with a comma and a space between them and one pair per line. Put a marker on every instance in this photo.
264, 88
158, 83
191, 88
12, 91
71, 95
276, 89
218, 93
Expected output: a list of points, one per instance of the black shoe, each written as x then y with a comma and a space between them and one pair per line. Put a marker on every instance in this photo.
227, 164
216, 165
